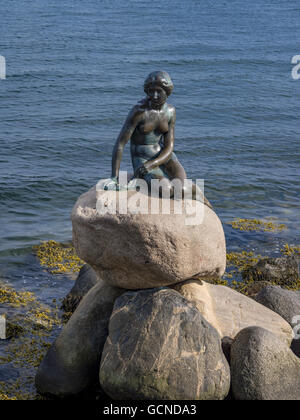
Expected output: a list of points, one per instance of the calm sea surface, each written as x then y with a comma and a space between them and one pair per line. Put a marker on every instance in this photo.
75, 68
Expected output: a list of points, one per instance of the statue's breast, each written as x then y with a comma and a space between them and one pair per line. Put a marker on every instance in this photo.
146, 128
159, 127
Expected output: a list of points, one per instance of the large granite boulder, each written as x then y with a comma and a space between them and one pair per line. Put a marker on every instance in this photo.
161, 348
284, 302
140, 251
229, 312
263, 367
87, 278
71, 365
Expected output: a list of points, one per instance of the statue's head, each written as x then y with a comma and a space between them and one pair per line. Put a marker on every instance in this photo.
159, 78
158, 86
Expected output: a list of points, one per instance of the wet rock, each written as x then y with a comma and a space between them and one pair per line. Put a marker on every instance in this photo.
284, 302
251, 289
140, 251
87, 278
72, 363
282, 271
229, 312
263, 367
160, 348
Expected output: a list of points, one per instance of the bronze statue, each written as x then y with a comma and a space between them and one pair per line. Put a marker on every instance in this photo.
150, 129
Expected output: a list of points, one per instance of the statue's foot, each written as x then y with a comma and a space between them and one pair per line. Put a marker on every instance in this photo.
109, 184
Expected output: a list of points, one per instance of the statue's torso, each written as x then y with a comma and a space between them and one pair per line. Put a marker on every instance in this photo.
152, 126
147, 138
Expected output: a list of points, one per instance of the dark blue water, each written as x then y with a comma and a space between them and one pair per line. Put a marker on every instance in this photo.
75, 68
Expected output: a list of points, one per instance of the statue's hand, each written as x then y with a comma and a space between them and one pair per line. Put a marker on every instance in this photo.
111, 184
142, 171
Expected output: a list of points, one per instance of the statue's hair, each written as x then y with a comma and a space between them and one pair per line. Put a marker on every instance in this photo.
160, 78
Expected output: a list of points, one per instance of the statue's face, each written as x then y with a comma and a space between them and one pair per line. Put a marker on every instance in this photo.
157, 95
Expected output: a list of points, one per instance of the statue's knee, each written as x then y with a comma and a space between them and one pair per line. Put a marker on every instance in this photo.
187, 191
166, 189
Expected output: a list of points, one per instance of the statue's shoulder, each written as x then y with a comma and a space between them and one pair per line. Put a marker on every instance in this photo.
171, 112
137, 110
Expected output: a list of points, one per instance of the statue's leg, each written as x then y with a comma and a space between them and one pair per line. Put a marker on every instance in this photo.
176, 171
197, 194
164, 183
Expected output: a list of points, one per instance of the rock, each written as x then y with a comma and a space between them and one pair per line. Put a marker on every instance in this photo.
263, 367
284, 302
140, 251
251, 289
296, 347
229, 312
282, 271
226, 347
87, 278
160, 348
72, 363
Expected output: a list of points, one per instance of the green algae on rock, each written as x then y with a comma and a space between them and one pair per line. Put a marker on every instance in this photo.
13, 329
242, 259
5, 397
291, 250
247, 279
236, 263
14, 298
241, 264
30, 327
25, 353
281, 271
58, 258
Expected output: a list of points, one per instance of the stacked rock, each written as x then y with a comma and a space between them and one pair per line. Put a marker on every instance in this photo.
148, 325
149, 249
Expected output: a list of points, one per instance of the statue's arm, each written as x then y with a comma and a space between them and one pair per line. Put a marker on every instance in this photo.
168, 148
124, 136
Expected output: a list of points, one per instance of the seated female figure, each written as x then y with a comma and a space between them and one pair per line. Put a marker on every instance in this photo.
150, 129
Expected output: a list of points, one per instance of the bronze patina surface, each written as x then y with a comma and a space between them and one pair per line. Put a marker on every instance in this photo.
150, 129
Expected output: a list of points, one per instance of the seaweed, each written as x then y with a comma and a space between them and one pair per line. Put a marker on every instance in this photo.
58, 258
28, 336
256, 225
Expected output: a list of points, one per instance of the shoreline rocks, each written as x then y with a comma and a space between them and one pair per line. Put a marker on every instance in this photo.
164, 333
283, 271
86, 279
285, 303
71, 364
140, 251
148, 340
160, 348
229, 312
263, 367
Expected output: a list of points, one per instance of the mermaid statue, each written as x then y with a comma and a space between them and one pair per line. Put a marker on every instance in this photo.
150, 129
